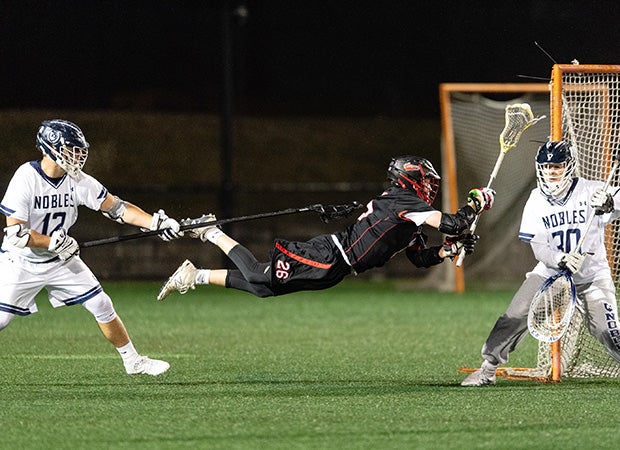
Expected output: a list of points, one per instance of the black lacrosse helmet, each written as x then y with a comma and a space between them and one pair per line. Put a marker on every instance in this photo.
415, 174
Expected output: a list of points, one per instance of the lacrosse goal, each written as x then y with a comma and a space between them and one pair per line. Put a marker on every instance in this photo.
585, 111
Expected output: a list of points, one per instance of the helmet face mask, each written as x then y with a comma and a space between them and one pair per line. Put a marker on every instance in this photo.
64, 143
415, 174
555, 169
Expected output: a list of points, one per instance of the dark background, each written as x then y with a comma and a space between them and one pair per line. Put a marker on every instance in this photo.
320, 95
289, 57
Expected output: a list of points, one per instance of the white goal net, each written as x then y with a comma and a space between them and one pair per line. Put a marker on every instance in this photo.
472, 121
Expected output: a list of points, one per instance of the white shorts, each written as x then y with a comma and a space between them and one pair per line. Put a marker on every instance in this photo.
67, 283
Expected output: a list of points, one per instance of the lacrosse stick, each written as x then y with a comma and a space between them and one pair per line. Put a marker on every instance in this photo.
519, 117
327, 214
553, 305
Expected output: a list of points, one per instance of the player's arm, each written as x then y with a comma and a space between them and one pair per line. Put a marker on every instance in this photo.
554, 258
420, 256
122, 211
19, 235
478, 200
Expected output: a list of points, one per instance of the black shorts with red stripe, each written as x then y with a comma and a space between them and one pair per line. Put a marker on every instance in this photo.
306, 266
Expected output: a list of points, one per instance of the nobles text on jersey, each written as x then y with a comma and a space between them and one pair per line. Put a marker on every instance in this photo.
564, 218
53, 201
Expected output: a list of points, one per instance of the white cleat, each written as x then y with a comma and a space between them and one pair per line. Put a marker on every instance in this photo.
481, 377
182, 280
148, 366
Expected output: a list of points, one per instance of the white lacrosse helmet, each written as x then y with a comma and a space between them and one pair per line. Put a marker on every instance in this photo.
555, 169
64, 143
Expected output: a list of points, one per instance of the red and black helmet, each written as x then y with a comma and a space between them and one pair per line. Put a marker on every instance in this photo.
415, 174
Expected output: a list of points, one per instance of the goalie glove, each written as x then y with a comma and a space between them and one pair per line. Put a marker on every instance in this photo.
63, 245
572, 261
481, 199
602, 202
170, 228
454, 244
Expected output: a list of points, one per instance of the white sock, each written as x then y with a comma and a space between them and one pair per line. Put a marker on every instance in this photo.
128, 353
202, 277
213, 234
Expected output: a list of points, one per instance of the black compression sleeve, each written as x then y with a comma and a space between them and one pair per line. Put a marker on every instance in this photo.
424, 258
452, 224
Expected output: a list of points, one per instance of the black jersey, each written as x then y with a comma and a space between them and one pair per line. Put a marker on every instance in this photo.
382, 231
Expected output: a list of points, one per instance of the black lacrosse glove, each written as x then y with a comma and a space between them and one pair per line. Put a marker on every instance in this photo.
454, 244
329, 213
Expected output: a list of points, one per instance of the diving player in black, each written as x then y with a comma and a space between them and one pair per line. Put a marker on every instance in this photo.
392, 222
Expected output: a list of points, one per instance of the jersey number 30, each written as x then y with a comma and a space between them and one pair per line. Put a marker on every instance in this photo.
567, 240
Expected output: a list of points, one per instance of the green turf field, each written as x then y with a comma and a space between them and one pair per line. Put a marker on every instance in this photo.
362, 365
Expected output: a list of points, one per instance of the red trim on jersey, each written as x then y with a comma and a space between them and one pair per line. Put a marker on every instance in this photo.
301, 259
402, 214
374, 242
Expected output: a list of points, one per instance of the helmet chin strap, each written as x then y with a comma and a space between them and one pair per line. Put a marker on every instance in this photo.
556, 196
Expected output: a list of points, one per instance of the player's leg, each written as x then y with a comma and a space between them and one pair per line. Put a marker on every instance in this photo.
602, 315
509, 330
20, 282
73, 283
5, 319
114, 331
187, 276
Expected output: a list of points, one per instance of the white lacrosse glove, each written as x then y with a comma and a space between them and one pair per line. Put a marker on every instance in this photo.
207, 233
17, 235
481, 199
602, 202
572, 261
63, 245
170, 228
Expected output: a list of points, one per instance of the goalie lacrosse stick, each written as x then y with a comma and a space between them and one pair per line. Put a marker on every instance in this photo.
327, 213
518, 117
553, 305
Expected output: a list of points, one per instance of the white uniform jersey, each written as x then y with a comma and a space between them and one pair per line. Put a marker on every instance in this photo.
47, 204
561, 225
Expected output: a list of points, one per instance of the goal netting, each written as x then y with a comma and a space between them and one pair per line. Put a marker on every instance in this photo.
583, 105
472, 121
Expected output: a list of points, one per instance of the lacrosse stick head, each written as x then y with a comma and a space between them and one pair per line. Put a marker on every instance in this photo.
552, 308
519, 117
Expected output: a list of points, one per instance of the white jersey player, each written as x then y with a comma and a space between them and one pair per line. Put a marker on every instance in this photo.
554, 219
40, 205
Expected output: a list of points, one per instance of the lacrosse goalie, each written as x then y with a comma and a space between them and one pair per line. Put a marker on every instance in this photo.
40, 205
393, 222
553, 222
